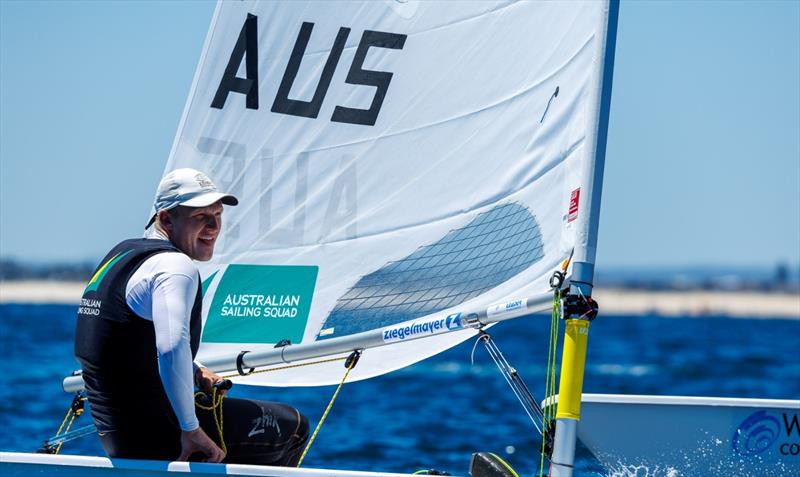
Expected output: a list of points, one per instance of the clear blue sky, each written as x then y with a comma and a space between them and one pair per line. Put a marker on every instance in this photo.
703, 161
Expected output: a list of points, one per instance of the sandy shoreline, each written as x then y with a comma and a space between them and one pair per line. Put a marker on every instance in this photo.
612, 301
749, 304
40, 292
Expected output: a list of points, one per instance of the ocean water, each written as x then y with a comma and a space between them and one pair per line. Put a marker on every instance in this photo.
435, 414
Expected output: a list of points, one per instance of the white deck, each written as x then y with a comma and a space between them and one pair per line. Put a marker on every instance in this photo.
20, 464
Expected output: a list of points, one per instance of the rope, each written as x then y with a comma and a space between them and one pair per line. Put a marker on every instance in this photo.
69, 412
550, 379
75, 410
512, 377
351, 364
52, 442
505, 464
74, 415
216, 403
216, 399
281, 368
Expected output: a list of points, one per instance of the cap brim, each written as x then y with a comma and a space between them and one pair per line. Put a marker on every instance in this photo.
152, 219
205, 200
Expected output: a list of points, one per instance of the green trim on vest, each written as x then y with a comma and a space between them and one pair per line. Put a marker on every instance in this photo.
103, 270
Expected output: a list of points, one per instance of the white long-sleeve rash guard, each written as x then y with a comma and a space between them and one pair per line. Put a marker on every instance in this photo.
163, 291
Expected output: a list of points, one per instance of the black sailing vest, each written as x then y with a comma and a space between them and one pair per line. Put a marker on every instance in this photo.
117, 348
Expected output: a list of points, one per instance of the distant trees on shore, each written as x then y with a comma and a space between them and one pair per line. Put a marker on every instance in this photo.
11, 269
781, 277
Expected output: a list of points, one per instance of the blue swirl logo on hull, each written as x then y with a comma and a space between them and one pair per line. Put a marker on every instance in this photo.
755, 434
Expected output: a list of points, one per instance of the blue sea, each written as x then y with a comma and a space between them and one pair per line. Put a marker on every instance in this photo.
435, 414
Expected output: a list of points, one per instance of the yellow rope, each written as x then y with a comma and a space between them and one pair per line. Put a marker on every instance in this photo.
216, 400
74, 415
216, 403
58, 449
280, 368
325, 414
69, 412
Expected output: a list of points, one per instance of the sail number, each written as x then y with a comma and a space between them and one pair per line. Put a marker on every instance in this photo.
246, 48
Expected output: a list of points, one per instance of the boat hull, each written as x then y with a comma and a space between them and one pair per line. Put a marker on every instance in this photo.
692, 436
14, 464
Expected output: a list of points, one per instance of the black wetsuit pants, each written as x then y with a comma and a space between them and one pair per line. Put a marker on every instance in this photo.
255, 432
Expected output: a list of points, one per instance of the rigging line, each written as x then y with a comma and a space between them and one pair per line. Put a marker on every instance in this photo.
523, 395
63, 422
69, 436
519, 382
511, 377
552, 350
351, 362
481, 337
549, 411
72, 419
75, 410
529, 395
216, 403
525, 405
281, 368
216, 399
530, 411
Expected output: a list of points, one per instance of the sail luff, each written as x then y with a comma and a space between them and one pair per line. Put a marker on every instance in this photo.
588, 223
582, 279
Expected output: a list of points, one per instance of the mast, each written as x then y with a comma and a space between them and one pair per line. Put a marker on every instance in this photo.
576, 332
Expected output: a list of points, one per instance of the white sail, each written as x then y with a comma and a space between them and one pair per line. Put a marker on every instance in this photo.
394, 160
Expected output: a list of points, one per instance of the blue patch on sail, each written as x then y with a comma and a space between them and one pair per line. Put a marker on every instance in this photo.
467, 262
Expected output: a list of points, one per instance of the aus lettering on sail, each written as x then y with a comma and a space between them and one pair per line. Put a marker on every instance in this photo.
246, 49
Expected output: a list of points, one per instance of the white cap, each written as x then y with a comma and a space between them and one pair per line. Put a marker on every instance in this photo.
189, 188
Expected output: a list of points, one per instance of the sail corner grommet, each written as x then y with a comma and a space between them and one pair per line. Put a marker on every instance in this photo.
240, 364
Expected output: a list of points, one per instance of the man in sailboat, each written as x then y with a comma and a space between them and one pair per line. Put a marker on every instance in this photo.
138, 331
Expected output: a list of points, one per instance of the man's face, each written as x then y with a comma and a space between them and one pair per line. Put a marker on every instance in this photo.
194, 230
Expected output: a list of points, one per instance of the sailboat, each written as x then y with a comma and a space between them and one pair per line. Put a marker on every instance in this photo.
411, 174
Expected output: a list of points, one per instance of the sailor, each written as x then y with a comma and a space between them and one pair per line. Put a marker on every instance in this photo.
138, 331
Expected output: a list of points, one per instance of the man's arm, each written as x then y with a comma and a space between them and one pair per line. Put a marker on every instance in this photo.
172, 301
172, 296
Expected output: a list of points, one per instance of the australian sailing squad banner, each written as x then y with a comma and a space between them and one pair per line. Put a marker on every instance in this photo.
396, 163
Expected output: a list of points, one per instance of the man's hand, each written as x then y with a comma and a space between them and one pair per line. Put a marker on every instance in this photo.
197, 441
205, 379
